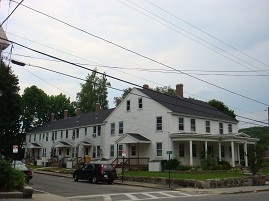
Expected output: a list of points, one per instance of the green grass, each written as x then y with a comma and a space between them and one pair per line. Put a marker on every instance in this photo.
185, 175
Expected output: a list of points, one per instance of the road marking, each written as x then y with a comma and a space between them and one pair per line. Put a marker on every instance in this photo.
154, 195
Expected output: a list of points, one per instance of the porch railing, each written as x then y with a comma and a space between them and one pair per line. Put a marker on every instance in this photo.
132, 163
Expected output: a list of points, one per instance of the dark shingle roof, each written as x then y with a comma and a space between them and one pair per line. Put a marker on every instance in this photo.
85, 119
138, 136
186, 106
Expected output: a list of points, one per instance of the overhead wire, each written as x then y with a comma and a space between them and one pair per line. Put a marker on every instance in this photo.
201, 30
12, 12
141, 55
220, 49
189, 108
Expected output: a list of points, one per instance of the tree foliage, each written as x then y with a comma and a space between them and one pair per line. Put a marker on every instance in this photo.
59, 103
258, 132
92, 92
220, 106
166, 90
255, 156
10, 110
125, 93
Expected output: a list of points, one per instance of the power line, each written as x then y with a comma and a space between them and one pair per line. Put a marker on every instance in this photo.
138, 54
206, 33
11, 12
65, 74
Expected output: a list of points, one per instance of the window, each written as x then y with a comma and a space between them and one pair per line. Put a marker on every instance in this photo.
181, 149
128, 105
94, 130
29, 138
112, 128
120, 127
194, 152
159, 148
181, 123
159, 123
193, 125
60, 151
133, 150
77, 132
112, 150
39, 136
67, 151
73, 151
44, 152
99, 151
207, 126
220, 128
34, 137
43, 137
140, 103
98, 130
85, 130
61, 134
120, 150
230, 128
66, 134
222, 151
55, 135
47, 136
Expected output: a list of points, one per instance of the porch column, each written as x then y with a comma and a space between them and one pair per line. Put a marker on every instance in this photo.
191, 157
205, 148
238, 154
219, 151
246, 154
232, 149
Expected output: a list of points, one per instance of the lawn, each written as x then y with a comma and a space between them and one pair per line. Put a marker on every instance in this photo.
186, 175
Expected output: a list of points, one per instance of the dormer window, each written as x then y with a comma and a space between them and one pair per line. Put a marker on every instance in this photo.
140, 103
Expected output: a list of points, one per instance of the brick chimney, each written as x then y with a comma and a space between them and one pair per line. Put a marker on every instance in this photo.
78, 112
65, 114
145, 86
179, 90
97, 107
52, 117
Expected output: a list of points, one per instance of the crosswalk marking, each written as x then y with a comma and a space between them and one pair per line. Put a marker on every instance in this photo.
154, 195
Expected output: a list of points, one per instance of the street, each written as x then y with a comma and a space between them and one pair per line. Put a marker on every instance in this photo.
78, 191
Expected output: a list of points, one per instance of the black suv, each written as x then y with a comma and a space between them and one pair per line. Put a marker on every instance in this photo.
96, 172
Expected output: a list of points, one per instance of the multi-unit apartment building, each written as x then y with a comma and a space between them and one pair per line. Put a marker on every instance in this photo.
146, 126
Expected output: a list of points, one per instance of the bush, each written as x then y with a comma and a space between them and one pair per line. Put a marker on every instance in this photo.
224, 165
10, 178
173, 164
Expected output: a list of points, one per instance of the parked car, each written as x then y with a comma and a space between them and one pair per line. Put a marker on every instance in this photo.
17, 162
22, 167
96, 172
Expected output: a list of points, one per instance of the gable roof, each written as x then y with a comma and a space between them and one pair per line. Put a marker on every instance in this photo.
187, 106
85, 119
129, 138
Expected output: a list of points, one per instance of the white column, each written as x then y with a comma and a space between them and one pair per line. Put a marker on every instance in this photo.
233, 158
219, 151
191, 158
246, 154
238, 153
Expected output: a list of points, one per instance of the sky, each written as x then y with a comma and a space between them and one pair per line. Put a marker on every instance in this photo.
218, 49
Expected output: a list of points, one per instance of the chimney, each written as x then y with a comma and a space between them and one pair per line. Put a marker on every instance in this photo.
97, 107
52, 117
78, 112
145, 86
179, 90
65, 114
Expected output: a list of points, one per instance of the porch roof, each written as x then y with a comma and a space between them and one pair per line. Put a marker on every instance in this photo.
132, 138
61, 144
85, 143
238, 137
34, 145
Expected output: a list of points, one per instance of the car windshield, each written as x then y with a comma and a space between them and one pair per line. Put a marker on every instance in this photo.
21, 167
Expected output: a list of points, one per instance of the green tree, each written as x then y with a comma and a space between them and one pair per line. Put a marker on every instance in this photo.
220, 106
10, 111
59, 103
255, 156
35, 104
166, 90
92, 92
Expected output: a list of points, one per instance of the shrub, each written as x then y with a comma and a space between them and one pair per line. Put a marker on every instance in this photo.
10, 178
224, 165
173, 164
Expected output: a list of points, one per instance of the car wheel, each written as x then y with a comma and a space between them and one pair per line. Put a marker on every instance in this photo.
110, 181
75, 177
94, 180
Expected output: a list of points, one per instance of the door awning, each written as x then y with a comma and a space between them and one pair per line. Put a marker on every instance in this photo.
85, 143
34, 146
62, 144
132, 138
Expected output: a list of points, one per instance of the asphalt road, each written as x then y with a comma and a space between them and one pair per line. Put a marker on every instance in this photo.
84, 191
